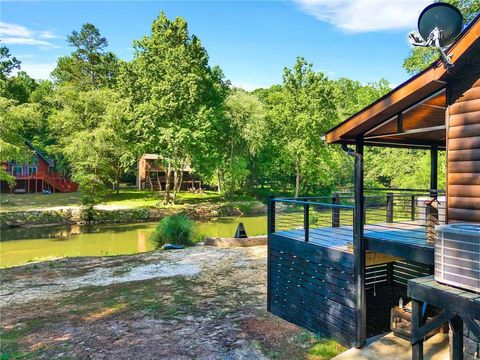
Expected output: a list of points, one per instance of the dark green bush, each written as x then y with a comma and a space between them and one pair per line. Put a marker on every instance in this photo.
175, 229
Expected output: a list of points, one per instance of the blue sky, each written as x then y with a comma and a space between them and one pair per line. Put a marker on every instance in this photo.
252, 41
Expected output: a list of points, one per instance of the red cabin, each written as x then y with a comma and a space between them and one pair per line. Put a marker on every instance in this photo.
36, 175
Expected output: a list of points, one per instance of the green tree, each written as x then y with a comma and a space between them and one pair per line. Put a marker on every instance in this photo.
420, 57
176, 95
90, 66
92, 129
306, 111
14, 119
8, 63
242, 139
19, 87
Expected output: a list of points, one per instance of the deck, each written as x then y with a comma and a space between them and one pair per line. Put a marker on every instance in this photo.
405, 240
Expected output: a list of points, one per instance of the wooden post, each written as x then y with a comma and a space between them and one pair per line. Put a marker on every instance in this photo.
306, 219
433, 171
335, 210
389, 208
359, 249
28, 186
456, 324
270, 231
417, 322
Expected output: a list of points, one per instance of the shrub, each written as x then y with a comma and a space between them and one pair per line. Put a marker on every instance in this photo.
175, 229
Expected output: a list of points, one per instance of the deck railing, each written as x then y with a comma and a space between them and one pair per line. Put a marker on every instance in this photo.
311, 218
325, 219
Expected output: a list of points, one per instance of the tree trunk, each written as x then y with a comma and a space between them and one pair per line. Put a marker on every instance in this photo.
117, 178
230, 190
166, 193
177, 183
219, 187
297, 179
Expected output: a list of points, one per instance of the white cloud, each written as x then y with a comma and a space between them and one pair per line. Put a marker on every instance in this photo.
14, 30
26, 41
365, 15
14, 34
47, 35
40, 71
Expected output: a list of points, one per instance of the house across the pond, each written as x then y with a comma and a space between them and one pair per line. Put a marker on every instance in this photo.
36, 175
151, 174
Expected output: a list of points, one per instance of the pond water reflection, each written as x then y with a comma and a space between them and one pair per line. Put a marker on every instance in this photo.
21, 245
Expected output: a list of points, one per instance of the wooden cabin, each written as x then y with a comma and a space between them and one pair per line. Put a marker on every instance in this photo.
36, 175
337, 265
151, 174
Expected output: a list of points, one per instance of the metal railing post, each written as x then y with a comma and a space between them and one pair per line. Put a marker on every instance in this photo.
412, 207
389, 208
335, 210
306, 219
271, 214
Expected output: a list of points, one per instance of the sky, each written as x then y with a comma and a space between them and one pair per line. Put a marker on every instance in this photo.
252, 41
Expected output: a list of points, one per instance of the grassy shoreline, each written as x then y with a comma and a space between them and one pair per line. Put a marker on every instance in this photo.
128, 206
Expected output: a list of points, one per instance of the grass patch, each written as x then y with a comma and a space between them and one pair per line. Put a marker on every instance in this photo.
324, 349
10, 339
127, 197
151, 297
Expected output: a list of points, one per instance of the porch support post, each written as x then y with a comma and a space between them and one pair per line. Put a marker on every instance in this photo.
359, 248
433, 170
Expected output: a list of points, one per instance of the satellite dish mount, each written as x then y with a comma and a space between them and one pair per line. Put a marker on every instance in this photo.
438, 26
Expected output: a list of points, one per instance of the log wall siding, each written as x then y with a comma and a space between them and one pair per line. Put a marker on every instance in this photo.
463, 148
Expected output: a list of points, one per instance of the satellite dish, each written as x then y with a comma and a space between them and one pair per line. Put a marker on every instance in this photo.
438, 26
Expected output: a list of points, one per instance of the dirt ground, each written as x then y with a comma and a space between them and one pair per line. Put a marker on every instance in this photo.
198, 303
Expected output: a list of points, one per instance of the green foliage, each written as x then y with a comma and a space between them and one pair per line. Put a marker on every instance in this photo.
8, 63
421, 57
175, 229
402, 168
13, 121
303, 110
101, 114
89, 66
175, 94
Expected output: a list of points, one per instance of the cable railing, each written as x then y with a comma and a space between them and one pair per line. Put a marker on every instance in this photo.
394, 215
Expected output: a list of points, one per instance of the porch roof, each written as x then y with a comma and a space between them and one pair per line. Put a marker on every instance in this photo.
412, 114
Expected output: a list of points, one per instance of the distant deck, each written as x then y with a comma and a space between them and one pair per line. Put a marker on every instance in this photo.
407, 242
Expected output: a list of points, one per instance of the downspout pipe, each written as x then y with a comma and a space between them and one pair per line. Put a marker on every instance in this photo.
359, 246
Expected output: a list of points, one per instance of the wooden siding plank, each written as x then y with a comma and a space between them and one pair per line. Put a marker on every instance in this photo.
462, 131
470, 94
463, 179
329, 290
465, 119
464, 203
315, 270
336, 309
463, 155
339, 320
318, 254
464, 190
464, 167
468, 215
466, 106
323, 318
326, 291
465, 143
312, 325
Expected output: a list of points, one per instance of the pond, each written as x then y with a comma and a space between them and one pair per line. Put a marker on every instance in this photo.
21, 245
